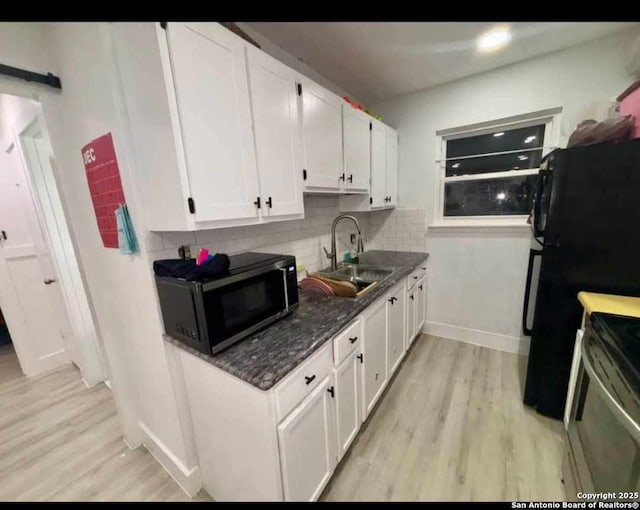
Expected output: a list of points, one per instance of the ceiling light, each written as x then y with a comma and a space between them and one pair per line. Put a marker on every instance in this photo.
522, 157
455, 165
501, 196
494, 39
529, 139
498, 134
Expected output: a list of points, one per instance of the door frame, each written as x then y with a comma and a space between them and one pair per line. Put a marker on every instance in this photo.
53, 218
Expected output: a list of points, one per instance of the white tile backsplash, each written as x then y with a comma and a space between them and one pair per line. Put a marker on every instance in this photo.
398, 229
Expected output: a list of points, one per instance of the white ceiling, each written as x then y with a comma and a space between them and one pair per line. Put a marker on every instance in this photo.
375, 61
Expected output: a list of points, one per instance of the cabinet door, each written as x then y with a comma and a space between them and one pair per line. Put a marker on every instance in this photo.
348, 401
212, 94
421, 298
395, 329
357, 153
392, 167
374, 368
321, 135
306, 439
378, 190
274, 106
411, 316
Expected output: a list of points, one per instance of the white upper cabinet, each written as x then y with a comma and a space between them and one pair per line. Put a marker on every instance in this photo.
392, 167
357, 152
209, 71
274, 106
378, 192
384, 171
321, 136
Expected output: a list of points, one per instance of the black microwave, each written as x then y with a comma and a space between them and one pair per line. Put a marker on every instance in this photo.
209, 316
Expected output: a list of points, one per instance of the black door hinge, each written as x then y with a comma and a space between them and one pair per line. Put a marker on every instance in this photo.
331, 392
192, 205
257, 203
163, 25
299, 89
370, 126
304, 174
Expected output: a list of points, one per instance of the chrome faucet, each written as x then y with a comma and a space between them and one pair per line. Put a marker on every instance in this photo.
333, 255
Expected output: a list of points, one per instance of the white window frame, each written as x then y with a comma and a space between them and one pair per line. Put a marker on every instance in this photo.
551, 119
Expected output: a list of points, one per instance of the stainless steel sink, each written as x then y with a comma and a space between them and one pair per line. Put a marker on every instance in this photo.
362, 276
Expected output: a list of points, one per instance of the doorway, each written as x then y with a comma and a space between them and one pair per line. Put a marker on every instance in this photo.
45, 307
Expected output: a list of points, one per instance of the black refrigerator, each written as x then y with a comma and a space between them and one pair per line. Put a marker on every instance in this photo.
586, 225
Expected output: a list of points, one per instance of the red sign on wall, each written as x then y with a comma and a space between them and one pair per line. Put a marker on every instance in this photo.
103, 176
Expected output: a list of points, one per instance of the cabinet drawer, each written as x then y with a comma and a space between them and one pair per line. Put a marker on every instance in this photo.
415, 275
299, 383
346, 341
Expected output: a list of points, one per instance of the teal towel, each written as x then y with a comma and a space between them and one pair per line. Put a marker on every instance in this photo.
127, 241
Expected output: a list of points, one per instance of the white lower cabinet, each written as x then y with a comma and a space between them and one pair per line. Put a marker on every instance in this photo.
306, 440
284, 443
411, 317
374, 367
421, 304
348, 396
395, 328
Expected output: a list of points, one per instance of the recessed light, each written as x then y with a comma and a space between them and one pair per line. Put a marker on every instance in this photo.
529, 139
498, 134
455, 165
493, 39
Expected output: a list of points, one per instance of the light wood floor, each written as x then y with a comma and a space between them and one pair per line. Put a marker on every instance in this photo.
452, 426
60, 440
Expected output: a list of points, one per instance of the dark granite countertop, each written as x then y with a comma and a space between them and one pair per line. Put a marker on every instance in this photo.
268, 356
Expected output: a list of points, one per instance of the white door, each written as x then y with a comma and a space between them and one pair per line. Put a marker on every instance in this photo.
274, 105
30, 295
212, 92
395, 329
322, 135
392, 167
306, 440
357, 153
411, 316
348, 396
375, 355
378, 191
421, 302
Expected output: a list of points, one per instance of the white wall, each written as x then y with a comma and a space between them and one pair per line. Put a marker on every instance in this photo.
121, 287
287, 58
477, 276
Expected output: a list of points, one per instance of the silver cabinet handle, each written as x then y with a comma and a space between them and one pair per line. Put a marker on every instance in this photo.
49, 281
616, 409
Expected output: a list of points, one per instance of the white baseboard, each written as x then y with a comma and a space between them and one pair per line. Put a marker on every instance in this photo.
496, 341
47, 363
189, 479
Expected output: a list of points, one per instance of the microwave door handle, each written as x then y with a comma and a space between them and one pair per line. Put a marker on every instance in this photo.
286, 291
527, 292
616, 409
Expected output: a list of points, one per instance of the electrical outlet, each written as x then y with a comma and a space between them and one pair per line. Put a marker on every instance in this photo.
184, 252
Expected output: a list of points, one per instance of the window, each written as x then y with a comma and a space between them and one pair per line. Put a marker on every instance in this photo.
487, 173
